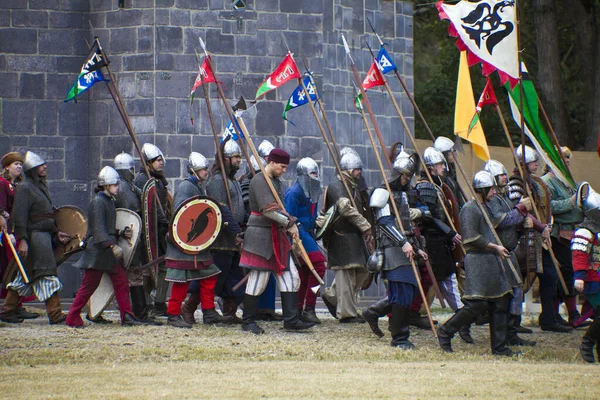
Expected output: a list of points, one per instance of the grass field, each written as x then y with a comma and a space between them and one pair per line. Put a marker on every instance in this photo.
333, 361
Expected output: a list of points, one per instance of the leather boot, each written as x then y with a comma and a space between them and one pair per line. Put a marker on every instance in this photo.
589, 341
573, 320
189, 308
462, 317
513, 338
499, 332
248, 319
54, 311
22, 313
291, 319
130, 320
375, 311
400, 328
10, 306
416, 320
138, 300
268, 314
210, 316
177, 322
229, 310
160, 309
465, 334
309, 315
330, 306
516, 322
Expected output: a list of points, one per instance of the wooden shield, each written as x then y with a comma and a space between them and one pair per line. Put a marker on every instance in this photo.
196, 224
129, 219
73, 221
102, 296
150, 219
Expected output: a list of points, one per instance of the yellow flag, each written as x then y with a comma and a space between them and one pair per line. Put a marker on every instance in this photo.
465, 109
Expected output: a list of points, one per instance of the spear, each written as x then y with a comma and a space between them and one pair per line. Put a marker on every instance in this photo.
414, 143
429, 269
528, 191
229, 112
215, 136
387, 185
322, 108
408, 94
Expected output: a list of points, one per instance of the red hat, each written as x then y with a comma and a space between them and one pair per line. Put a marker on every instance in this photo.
279, 156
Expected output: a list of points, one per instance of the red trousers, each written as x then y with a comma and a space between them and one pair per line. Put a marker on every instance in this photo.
307, 281
426, 282
91, 280
179, 293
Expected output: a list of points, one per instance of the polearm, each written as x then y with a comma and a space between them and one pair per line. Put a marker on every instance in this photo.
406, 91
428, 267
116, 96
323, 111
215, 135
278, 200
387, 185
553, 135
229, 112
528, 191
414, 143
412, 100
16, 256
334, 156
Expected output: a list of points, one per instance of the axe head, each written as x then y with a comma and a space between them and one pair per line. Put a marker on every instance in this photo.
241, 104
317, 290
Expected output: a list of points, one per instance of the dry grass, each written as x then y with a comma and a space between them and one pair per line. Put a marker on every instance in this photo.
332, 361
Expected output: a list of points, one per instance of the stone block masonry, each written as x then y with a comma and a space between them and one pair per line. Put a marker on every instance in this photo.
151, 45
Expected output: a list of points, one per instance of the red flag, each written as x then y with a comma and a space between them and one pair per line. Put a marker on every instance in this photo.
373, 78
204, 71
286, 71
488, 96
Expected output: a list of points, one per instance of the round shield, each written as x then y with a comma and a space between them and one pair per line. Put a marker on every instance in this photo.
196, 224
73, 221
329, 216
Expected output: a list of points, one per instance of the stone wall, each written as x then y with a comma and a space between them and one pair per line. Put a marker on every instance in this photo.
151, 46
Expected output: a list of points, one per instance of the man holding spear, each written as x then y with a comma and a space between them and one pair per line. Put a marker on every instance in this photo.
267, 248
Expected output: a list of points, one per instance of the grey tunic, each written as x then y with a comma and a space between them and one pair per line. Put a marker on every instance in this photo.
215, 188
33, 216
486, 278
258, 237
102, 232
345, 245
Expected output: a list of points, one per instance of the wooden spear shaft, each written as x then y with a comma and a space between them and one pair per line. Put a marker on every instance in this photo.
331, 153
218, 147
374, 121
16, 256
528, 191
399, 222
278, 200
436, 287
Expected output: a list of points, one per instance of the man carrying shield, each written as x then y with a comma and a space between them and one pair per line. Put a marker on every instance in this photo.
102, 253
155, 159
35, 229
184, 268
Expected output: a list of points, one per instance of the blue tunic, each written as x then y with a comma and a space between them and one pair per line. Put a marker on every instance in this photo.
298, 205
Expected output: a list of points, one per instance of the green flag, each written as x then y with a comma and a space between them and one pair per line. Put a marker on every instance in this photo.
534, 128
